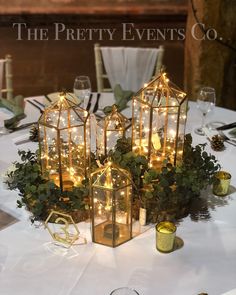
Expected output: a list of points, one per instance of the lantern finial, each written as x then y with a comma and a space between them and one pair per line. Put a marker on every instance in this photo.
114, 108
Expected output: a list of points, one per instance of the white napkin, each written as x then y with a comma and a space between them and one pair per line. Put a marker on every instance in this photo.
20, 138
1, 75
130, 67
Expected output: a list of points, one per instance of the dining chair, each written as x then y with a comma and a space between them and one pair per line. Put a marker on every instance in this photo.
102, 65
6, 85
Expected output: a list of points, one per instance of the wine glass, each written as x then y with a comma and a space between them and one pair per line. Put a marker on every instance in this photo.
82, 89
205, 103
124, 291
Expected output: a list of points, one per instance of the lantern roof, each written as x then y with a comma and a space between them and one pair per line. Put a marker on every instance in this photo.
111, 177
63, 114
115, 120
160, 92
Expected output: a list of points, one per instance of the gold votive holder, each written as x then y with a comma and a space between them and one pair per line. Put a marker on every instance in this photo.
222, 183
165, 236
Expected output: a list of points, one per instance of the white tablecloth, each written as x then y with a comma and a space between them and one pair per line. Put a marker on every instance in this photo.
30, 264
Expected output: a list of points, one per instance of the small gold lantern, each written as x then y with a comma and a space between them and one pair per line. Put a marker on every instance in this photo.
64, 137
159, 117
110, 129
111, 205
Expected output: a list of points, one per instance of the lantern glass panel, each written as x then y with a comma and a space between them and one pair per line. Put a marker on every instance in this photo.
142, 129
102, 211
49, 153
100, 139
160, 110
181, 131
64, 143
123, 197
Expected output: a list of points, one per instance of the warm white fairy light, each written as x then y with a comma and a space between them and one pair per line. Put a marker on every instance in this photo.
62, 97
172, 133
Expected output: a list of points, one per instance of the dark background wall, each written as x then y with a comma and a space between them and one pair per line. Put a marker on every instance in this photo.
42, 67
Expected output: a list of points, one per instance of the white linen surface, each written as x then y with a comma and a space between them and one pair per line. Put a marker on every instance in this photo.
1, 75
130, 67
30, 264
231, 292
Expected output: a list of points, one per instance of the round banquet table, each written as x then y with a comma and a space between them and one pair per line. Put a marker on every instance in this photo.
29, 264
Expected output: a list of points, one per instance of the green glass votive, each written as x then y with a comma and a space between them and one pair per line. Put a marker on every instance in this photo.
221, 186
165, 236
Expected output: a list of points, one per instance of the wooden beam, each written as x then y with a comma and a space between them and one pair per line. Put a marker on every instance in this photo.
105, 9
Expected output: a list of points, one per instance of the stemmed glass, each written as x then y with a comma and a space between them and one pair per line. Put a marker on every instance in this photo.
82, 89
124, 291
205, 103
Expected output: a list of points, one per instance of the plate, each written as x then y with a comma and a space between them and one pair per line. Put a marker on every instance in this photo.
214, 124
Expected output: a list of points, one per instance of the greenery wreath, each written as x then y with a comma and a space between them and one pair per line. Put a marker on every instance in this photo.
165, 194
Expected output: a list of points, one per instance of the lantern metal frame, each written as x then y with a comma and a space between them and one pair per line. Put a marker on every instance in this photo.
99, 231
161, 100
74, 119
113, 124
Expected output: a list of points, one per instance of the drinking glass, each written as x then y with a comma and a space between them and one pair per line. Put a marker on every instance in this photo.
124, 291
82, 89
205, 103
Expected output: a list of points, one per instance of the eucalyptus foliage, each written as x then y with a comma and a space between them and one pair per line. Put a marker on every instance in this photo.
38, 194
171, 189
122, 97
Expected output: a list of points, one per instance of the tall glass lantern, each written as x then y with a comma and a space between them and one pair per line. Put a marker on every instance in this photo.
64, 132
159, 117
111, 205
110, 129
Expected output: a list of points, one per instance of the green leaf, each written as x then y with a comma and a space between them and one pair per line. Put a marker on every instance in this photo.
107, 110
118, 92
19, 204
158, 190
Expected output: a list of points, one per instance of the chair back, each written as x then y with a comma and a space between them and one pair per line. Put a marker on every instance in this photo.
6, 85
102, 76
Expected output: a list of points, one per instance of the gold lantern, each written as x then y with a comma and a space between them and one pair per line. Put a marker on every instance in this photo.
111, 205
64, 133
110, 129
159, 116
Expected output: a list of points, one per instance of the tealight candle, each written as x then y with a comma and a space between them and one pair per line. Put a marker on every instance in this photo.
165, 236
108, 231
